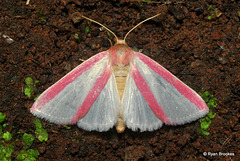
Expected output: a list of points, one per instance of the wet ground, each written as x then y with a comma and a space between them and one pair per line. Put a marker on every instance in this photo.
198, 41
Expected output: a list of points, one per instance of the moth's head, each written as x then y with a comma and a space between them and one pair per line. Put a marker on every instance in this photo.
121, 54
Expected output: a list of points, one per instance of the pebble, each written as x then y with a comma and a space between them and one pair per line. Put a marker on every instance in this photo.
222, 60
196, 64
42, 148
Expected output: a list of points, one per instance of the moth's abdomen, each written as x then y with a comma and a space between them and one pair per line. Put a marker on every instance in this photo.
121, 73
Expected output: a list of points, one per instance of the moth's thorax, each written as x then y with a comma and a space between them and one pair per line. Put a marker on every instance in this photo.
121, 54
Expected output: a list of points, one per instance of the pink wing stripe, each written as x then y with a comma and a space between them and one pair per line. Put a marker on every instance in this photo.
69, 78
93, 94
148, 95
170, 78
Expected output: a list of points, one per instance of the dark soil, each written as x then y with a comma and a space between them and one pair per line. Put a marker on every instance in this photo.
202, 51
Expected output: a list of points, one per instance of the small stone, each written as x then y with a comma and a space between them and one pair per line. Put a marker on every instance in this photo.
237, 46
134, 152
93, 46
74, 147
73, 46
222, 60
68, 67
227, 99
76, 17
8, 39
42, 148
196, 64
216, 35
238, 105
20, 35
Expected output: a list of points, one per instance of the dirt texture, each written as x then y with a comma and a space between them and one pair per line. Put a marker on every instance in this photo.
39, 41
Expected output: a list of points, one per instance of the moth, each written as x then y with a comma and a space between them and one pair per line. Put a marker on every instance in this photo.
119, 87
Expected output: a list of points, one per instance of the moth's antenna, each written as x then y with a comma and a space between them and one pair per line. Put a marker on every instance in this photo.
77, 16
140, 24
100, 25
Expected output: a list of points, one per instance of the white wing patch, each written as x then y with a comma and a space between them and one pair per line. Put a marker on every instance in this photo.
64, 106
136, 112
177, 108
103, 113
